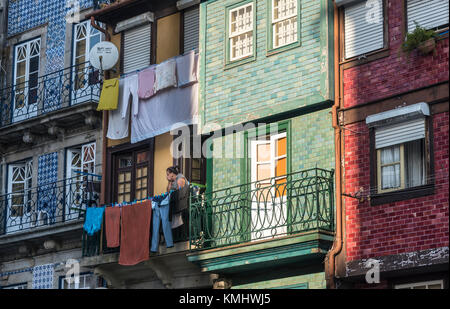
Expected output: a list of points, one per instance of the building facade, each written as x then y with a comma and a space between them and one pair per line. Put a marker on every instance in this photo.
265, 102
50, 140
394, 117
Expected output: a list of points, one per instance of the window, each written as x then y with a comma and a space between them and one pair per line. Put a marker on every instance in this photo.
79, 159
284, 22
20, 203
132, 176
428, 285
401, 166
401, 152
136, 48
26, 77
363, 28
85, 281
268, 176
240, 31
428, 14
85, 37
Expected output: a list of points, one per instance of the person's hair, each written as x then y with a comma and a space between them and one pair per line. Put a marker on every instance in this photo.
173, 169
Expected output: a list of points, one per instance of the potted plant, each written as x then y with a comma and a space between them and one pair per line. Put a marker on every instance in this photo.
421, 39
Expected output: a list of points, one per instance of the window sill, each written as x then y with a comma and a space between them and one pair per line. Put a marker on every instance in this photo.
274, 51
363, 59
235, 63
401, 195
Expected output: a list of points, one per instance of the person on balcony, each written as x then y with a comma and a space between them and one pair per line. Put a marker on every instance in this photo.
179, 200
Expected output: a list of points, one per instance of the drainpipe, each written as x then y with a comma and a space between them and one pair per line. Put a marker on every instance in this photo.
105, 124
330, 261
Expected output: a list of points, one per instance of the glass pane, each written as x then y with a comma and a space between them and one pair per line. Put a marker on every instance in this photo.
415, 163
263, 192
142, 157
121, 188
94, 40
195, 163
263, 171
390, 155
390, 176
125, 162
138, 184
21, 69
420, 287
281, 167
281, 147
139, 173
127, 187
435, 286
34, 64
81, 48
196, 176
121, 177
263, 152
128, 176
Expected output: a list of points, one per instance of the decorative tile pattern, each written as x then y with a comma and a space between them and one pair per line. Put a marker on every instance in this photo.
47, 177
43, 276
24, 15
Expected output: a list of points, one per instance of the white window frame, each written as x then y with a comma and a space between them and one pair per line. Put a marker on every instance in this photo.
276, 21
417, 284
20, 286
27, 183
84, 67
282, 230
80, 285
27, 48
246, 30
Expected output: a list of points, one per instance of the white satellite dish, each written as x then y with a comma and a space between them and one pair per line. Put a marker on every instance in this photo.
104, 56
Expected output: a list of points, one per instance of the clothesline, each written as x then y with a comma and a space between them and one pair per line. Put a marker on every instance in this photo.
155, 64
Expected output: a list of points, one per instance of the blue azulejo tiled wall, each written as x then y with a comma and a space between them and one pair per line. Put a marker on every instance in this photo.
24, 15
47, 177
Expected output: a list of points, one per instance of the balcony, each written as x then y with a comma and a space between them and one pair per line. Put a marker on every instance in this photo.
262, 224
62, 99
51, 205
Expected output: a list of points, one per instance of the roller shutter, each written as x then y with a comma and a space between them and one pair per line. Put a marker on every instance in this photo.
428, 14
137, 48
191, 29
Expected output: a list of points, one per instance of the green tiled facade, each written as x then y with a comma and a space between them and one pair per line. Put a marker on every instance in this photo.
271, 83
291, 88
312, 145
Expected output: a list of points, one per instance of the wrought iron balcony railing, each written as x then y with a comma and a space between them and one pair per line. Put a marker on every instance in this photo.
297, 202
62, 201
38, 96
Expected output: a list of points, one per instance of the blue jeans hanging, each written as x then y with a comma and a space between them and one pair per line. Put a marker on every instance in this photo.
161, 214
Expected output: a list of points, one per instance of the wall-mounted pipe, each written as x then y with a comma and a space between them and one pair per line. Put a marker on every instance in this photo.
330, 267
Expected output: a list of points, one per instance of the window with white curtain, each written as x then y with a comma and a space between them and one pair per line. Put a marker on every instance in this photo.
401, 156
284, 22
240, 33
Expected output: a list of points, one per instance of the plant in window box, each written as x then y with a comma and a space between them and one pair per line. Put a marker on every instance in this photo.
421, 39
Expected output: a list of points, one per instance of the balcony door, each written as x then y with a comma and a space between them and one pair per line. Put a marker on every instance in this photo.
19, 197
26, 76
79, 186
84, 76
268, 189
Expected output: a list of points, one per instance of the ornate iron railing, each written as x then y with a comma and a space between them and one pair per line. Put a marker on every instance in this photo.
49, 204
35, 97
297, 202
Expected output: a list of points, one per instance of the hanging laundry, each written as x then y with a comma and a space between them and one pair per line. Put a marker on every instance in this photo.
186, 69
161, 215
146, 83
112, 226
135, 233
43, 276
130, 88
94, 219
166, 75
160, 113
109, 97
118, 125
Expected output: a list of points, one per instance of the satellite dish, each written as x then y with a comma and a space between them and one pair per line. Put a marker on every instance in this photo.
104, 55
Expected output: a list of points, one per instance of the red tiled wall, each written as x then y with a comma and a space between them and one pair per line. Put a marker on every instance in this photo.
405, 226
396, 73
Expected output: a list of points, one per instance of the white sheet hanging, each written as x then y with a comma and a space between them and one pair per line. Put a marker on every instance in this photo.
160, 113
